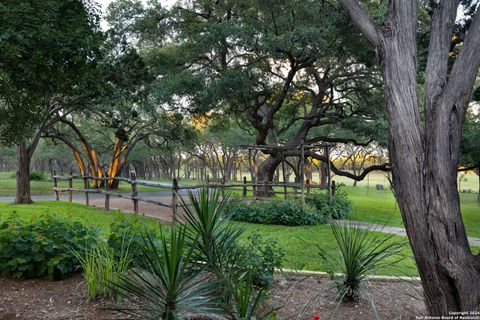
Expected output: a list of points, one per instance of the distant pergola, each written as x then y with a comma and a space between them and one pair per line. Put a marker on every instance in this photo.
312, 146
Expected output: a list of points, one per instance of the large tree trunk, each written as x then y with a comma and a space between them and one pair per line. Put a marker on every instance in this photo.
265, 174
426, 188
308, 169
23, 195
424, 157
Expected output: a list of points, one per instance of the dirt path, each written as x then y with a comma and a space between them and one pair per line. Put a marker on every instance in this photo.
125, 205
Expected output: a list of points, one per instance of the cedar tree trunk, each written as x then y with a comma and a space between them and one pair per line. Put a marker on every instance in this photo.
424, 156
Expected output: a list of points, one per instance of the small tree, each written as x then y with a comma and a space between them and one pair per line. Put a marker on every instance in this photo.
47, 54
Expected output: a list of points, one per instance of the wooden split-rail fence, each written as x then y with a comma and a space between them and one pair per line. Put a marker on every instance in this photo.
299, 189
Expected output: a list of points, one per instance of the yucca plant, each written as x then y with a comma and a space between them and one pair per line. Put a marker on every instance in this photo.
169, 283
247, 300
207, 220
101, 265
358, 253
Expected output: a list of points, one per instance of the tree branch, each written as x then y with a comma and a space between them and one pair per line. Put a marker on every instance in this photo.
465, 68
363, 20
339, 140
443, 23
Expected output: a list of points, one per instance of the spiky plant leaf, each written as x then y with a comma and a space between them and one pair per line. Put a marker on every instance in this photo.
167, 286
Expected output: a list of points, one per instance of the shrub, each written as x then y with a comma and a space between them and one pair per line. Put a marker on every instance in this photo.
42, 246
338, 208
36, 176
128, 227
261, 257
275, 211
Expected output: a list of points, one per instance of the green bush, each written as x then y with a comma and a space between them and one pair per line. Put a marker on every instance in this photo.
338, 208
36, 176
127, 230
275, 211
261, 257
42, 246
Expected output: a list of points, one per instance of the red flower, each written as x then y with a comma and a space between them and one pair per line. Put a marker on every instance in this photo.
316, 317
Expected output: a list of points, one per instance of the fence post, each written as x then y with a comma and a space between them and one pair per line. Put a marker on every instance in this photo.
308, 186
302, 170
223, 187
244, 194
70, 185
86, 186
107, 196
284, 174
133, 178
175, 199
55, 185
329, 181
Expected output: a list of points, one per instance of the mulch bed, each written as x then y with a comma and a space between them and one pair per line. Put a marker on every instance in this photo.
42, 299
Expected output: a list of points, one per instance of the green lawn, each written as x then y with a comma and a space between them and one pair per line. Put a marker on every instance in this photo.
301, 248
299, 243
89, 215
379, 206
369, 204
8, 185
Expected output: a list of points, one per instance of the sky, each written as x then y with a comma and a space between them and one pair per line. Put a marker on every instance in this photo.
104, 4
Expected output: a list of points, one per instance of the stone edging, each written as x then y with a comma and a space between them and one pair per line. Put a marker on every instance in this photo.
326, 275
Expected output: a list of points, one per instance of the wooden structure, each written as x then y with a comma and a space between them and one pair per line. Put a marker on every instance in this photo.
305, 184
244, 187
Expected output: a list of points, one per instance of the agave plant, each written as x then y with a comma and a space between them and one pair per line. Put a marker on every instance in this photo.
358, 253
167, 285
207, 219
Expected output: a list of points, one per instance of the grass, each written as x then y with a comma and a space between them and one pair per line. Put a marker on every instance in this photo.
8, 185
89, 215
370, 205
379, 206
299, 243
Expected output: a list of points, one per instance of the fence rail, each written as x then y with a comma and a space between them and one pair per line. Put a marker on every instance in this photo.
299, 188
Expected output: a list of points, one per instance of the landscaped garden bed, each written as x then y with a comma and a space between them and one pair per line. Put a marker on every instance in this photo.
67, 299
126, 260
